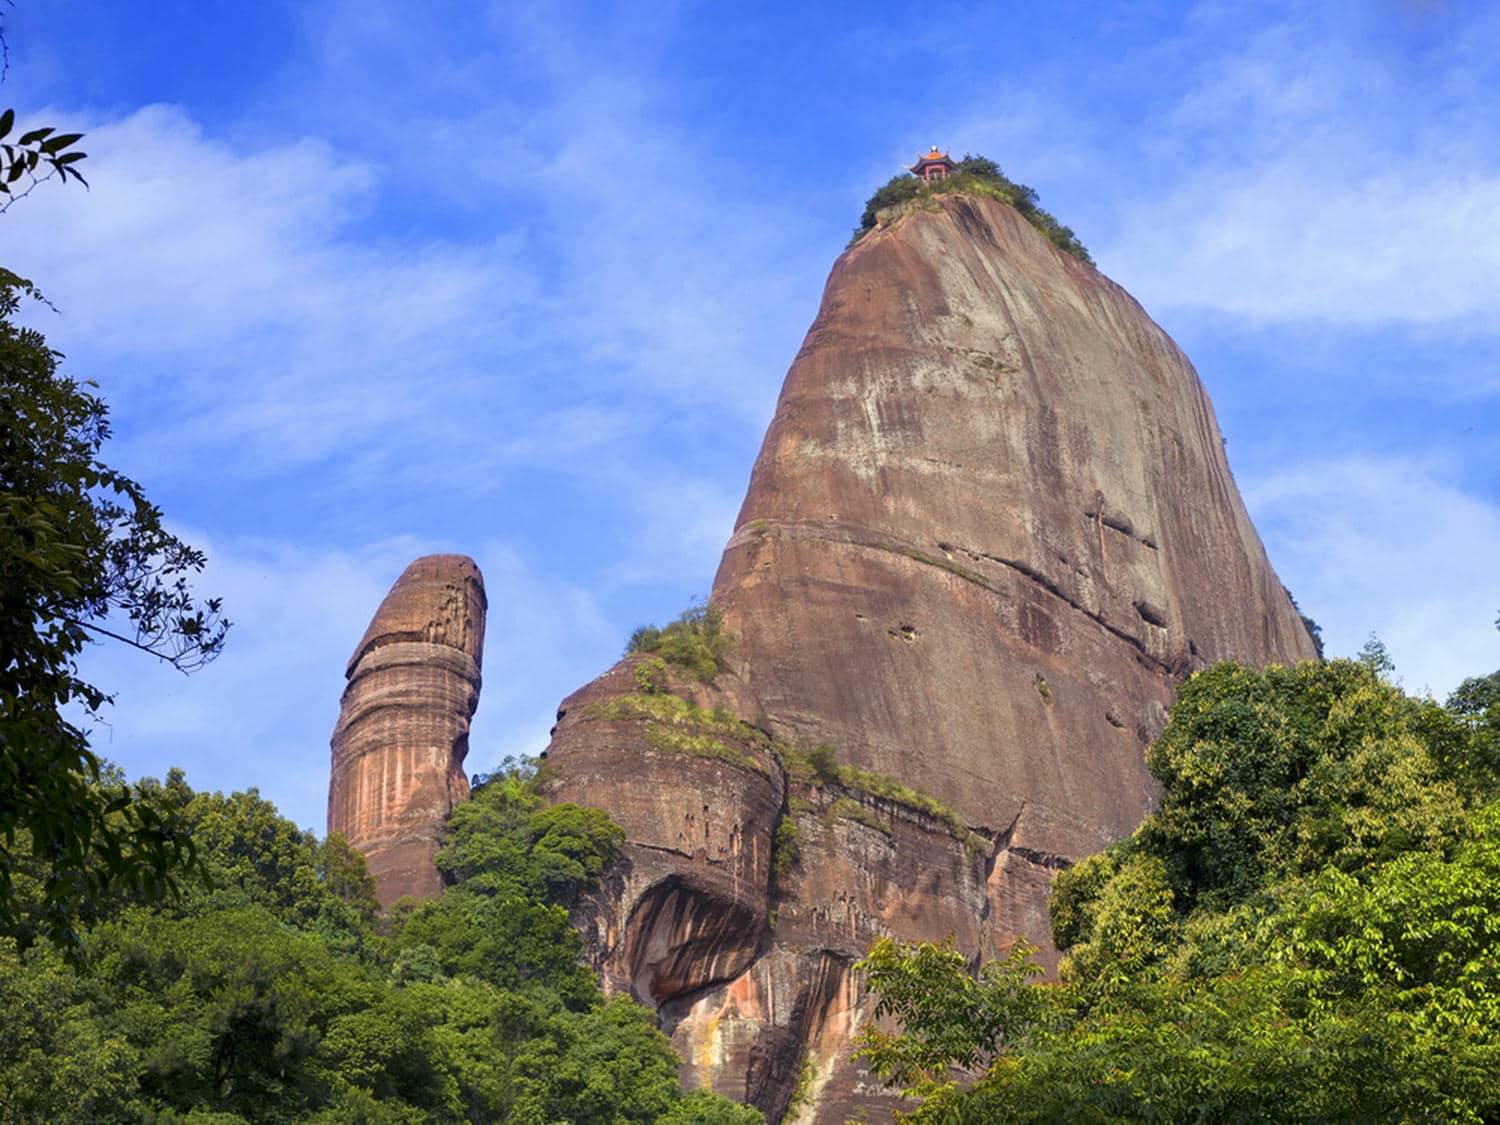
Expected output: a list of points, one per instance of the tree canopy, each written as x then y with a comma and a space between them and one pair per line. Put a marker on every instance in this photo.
276, 994
1305, 930
83, 555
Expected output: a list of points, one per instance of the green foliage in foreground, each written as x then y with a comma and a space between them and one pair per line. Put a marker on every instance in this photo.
696, 641
975, 175
83, 554
277, 994
1307, 930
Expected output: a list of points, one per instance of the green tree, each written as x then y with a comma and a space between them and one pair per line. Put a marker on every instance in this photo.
951, 1018
271, 996
1303, 931
83, 554
695, 641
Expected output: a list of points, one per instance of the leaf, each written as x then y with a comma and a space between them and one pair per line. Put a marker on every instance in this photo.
70, 158
60, 142
17, 170
7, 119
35, 135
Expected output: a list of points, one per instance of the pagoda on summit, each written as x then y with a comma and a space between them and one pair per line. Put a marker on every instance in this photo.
934, 166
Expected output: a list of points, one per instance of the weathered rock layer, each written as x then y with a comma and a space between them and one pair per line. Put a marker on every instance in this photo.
403, 728
991, 528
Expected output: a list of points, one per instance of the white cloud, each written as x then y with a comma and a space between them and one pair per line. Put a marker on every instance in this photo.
1386, 546
1305, 177
234, 315
1300, 238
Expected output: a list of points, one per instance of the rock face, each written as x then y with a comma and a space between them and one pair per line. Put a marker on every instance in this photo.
403, 729
990, 530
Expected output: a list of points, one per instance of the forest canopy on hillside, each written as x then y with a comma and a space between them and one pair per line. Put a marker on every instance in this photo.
277, 994
975, 175
1307, 929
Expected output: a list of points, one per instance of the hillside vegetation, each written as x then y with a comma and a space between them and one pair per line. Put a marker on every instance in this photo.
277, 995
1308, 929
975, 175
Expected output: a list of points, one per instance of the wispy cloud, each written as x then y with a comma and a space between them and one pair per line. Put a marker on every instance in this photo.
235, 320
1387, 546
1309, 176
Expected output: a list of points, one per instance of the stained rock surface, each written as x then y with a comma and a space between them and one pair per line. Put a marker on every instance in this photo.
991, 528
403, 727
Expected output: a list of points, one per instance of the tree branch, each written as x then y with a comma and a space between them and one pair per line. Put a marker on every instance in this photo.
126, 640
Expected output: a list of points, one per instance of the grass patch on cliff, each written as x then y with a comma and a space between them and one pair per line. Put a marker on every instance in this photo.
946, 564
786, 846
975, 175
847, 808
674, 725
819, 766
695, 642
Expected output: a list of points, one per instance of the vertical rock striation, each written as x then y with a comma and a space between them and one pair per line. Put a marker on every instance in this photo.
403, 728
990, 530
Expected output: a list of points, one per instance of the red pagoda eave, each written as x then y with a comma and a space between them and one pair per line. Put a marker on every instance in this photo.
932, 160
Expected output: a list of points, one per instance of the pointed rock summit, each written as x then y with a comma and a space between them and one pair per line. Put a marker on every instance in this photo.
990, 530
403, 728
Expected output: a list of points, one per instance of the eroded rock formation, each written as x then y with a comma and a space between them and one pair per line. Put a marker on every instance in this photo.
403, 728
991, 528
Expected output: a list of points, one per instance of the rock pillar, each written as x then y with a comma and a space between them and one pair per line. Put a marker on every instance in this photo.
403, 728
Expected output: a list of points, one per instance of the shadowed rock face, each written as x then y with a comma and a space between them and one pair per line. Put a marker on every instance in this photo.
403, 728
990, 530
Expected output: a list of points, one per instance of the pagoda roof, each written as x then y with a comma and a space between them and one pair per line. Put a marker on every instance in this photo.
933, 157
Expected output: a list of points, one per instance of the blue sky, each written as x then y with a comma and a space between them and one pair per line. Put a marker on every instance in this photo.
363, 281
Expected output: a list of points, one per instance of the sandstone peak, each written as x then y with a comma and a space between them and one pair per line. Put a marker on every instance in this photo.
991, 528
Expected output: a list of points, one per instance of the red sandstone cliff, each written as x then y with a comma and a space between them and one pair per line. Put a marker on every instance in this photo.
403, 728
990, 529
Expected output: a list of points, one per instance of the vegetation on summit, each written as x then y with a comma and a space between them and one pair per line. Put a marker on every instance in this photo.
1308, 928
975, 175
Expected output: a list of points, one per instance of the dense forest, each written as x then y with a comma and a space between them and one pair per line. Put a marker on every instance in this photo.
273, 992
1307, 929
